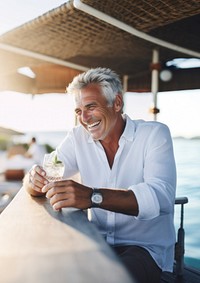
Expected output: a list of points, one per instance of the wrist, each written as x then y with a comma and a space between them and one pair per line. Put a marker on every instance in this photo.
96, 197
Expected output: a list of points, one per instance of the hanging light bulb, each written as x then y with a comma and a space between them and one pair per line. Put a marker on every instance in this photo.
165, 75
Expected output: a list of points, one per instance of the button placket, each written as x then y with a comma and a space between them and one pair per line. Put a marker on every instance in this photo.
111, 227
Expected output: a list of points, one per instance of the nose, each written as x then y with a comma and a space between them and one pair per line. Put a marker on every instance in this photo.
84, 116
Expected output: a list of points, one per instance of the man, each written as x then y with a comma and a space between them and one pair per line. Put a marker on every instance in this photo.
128, 176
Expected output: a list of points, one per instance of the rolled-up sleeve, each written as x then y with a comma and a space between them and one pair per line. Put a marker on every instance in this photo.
148, 204
156, 195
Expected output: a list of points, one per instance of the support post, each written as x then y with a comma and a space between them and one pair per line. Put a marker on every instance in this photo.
125, 83
155, 67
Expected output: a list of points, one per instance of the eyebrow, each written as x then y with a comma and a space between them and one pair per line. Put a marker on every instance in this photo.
90, 104
86, 106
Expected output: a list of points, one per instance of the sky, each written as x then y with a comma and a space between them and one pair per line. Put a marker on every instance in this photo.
54, 112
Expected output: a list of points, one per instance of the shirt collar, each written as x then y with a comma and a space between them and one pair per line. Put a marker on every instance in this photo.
129, 131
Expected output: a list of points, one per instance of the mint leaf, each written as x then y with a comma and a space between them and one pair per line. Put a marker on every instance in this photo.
56, 161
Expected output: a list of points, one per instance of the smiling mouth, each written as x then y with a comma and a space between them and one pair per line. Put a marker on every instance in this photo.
94, 125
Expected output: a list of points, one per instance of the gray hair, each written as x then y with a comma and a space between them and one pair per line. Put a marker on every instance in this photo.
107, 79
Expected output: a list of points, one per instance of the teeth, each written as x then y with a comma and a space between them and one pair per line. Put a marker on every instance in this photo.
93, 125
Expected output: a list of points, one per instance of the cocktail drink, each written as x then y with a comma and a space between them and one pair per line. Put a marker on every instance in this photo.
54, 168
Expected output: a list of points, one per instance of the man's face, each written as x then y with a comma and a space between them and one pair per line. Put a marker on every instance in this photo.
94, 114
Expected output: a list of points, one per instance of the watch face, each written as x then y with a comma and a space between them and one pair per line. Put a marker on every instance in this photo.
97, 198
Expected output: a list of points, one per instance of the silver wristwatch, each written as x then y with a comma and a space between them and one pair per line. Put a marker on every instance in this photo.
96, 197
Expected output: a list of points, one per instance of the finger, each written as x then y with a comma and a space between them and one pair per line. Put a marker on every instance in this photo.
39, 170
34, 186
61, 204
36, 180
54, 190
59, 197
56, 184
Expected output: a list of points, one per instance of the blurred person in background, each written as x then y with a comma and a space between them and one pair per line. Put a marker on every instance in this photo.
35, 151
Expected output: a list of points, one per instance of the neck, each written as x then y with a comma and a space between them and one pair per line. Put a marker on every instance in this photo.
111, 143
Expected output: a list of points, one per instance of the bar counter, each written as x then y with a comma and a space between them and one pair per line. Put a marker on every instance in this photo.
38, 244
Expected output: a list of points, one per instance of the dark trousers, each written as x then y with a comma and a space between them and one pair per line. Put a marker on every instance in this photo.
139, 263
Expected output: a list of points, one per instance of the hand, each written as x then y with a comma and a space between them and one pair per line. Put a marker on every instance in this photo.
36, 180
68, 193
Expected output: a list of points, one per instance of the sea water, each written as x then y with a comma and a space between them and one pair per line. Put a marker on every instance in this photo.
187, 155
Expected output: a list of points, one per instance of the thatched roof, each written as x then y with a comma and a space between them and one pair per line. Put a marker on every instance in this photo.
69, 35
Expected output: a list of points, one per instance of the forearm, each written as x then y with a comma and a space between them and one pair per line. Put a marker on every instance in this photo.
121, 201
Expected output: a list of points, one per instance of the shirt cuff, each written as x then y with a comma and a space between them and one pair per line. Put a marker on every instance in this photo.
148, 204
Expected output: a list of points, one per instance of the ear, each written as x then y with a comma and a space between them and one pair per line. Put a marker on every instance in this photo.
118, 104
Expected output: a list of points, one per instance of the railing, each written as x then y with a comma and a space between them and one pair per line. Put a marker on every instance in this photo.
178, 275
38, 244
180, 244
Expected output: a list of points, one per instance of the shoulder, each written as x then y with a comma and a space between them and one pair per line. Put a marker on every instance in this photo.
148, 129
142, 125
151, 125
154, 134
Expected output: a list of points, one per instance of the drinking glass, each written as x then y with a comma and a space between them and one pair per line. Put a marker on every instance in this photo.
54, 168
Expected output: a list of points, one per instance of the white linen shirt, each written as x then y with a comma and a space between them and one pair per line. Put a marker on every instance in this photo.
144, 163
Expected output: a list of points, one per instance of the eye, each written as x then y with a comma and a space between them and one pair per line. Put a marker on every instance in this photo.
91, 107
78, 112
